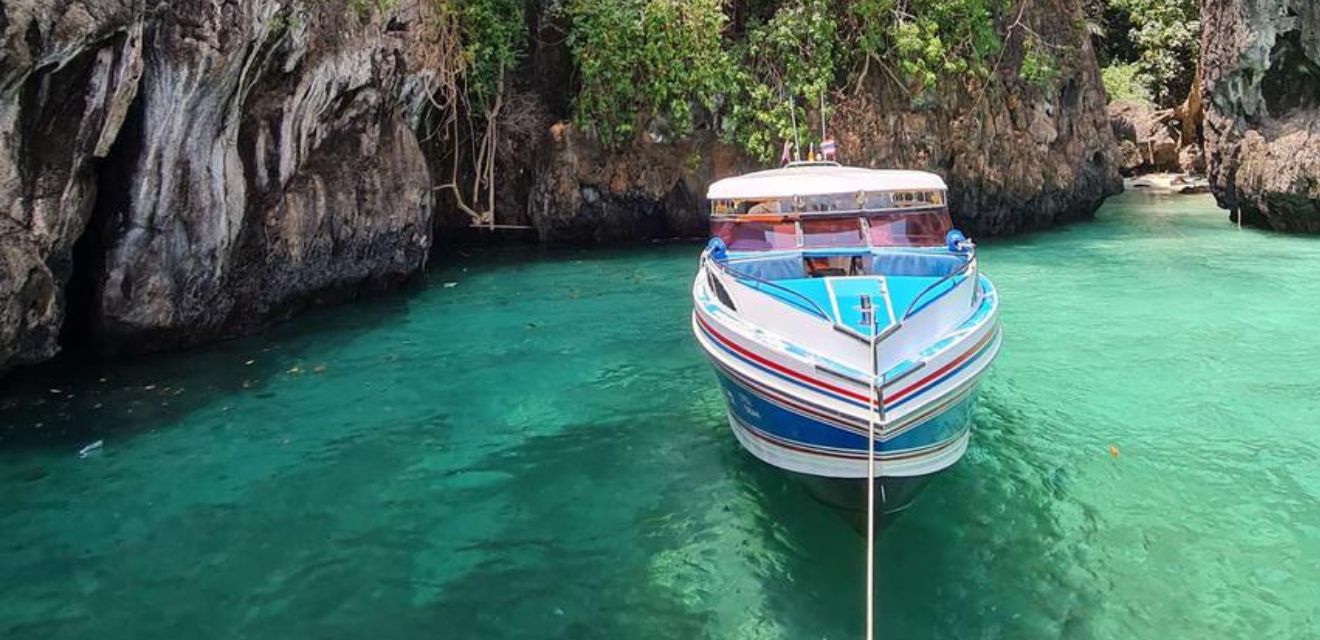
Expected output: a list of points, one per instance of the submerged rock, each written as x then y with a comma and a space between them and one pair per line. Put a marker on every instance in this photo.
1260, 81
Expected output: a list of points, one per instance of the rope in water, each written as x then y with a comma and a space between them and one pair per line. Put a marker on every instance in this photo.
874, 406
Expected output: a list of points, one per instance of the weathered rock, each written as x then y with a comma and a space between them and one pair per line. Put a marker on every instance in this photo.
1149, 141
1018, 158
1260, 83
67, 77
587, 194
235, 160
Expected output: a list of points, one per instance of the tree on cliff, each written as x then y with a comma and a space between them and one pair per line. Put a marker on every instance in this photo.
1148, 48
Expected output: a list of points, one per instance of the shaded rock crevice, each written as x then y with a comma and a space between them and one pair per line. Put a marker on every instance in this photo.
1259, 79
173, 173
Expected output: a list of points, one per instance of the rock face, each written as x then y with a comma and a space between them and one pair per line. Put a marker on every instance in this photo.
177, 171
188, 169
1260, 80
586, 194
1017, 156
1146, 139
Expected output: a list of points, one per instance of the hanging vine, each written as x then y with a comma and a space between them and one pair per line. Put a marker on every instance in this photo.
468, 46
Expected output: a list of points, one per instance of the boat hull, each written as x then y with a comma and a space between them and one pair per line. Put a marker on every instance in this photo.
762, 429
786, 412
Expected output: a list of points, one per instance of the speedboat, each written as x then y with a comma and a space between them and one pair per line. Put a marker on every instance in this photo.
848, 324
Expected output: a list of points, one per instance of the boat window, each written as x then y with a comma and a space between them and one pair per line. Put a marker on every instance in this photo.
756, 236
836, 232
925, 228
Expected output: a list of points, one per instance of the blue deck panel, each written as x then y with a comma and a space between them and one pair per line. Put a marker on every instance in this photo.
903, 290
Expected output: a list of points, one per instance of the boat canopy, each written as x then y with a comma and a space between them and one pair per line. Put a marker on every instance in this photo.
821, 179
820, 205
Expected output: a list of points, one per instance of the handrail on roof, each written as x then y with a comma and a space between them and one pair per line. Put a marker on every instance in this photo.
811, 163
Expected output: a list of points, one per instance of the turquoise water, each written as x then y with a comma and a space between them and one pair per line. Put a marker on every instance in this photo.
539, 452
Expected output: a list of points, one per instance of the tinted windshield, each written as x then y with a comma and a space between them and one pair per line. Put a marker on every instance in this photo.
837, 232
756, 236
925, 228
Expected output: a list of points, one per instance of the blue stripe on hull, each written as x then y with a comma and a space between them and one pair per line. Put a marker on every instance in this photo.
752, 409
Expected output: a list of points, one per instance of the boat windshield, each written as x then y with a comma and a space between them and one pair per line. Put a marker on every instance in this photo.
828, 233
912, 228
753, 235
920, 228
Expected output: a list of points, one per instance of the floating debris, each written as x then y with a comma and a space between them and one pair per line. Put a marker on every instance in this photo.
150, 387
56, 391
451, 285
249, 363
320, 368
1113, 451
91, 448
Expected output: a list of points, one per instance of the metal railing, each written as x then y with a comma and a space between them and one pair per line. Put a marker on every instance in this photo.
970, 263
814, 308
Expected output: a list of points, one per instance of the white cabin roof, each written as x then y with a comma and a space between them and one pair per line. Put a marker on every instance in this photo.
816, 180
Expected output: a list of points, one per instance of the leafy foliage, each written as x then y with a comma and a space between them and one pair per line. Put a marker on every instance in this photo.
1161, 37
929, 39
1039, 65
671, 65
1126, 82
795, 52
493, 34
1167, 35
646, 60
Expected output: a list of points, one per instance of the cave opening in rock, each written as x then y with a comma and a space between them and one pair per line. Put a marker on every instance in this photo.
1293, 80
79, 336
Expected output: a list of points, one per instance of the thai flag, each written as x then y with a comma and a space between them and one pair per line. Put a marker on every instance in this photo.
827, 149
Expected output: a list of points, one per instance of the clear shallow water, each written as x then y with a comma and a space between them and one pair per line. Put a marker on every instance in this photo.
540, 452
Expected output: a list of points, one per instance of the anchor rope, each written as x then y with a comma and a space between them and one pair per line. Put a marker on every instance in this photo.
875, 406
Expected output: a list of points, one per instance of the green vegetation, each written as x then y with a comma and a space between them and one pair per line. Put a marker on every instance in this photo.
1124, 81
929, 39
747, 70
669, 67
642, 61
787, 63
1148, 47
493, 34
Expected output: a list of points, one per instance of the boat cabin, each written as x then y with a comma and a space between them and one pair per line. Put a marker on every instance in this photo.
822, 220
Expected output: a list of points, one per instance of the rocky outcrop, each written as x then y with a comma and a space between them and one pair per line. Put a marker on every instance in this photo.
1148, 142
586, 194
1018, 156
1260, 82
200, 167
176, 171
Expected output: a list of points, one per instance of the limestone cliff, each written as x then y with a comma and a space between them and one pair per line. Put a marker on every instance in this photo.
198, 166
1260, 79
1018, 155
177, 171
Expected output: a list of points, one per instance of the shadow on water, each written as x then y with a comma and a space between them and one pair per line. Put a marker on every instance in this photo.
78, 398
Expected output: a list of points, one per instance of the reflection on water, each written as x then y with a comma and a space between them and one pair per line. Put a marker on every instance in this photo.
540, 452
